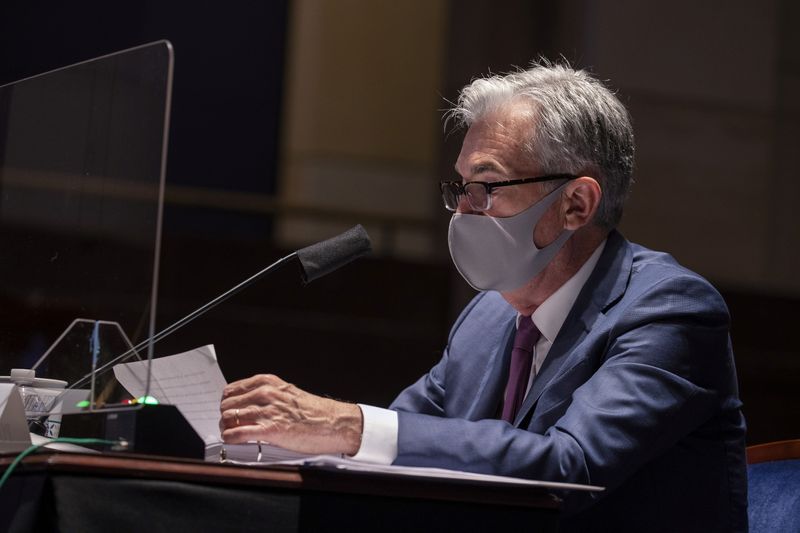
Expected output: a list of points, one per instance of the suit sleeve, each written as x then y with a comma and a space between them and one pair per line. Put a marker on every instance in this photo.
426, 396
662, 370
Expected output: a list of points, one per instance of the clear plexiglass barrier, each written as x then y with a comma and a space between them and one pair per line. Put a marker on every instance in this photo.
82, 162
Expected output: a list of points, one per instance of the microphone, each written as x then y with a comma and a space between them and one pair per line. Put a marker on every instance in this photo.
324, 257
315, 261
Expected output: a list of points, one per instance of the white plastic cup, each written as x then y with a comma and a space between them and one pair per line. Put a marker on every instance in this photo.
40, 396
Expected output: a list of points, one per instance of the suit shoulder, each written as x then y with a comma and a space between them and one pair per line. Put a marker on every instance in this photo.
486, 307
657, 279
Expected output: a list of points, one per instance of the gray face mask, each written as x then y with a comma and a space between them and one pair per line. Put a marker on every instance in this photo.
499, 253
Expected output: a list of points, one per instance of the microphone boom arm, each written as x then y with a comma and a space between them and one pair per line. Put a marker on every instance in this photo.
315, 261
188, 318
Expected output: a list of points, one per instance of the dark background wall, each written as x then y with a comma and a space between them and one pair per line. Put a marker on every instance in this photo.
372, 328
334, 336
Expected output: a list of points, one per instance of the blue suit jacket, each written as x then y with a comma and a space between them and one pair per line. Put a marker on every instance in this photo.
638, 393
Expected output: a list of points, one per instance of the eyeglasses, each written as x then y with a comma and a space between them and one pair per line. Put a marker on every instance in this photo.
479, 193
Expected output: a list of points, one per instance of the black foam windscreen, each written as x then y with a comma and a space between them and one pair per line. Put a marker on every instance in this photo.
326, 256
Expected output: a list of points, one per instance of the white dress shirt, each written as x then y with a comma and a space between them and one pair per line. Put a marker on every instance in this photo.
379, 437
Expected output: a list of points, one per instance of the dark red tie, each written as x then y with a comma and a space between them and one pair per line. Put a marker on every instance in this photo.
521, 361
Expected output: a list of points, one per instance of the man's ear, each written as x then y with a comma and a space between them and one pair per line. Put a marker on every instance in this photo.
580, 201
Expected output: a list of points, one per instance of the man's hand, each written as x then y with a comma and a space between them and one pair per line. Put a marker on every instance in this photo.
266, 408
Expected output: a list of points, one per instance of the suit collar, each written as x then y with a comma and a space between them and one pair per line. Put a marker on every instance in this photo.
605, 286
610, 278
550, 316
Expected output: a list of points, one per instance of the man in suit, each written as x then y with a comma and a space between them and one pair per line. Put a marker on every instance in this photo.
583, 359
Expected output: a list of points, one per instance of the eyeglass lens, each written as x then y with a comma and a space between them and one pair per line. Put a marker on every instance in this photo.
476, 194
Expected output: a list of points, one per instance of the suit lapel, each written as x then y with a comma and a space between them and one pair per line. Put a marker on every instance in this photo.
605, 286
496, 375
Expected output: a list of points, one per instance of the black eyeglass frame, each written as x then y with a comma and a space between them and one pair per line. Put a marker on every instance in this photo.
490, 186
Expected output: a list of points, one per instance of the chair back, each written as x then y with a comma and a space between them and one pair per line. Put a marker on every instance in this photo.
773, 481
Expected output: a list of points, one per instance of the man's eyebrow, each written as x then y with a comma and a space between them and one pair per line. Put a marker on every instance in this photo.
487, 166
480, 168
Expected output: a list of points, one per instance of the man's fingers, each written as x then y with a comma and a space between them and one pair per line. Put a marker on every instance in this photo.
230, 418
242, 434
240, 416
243, 386
262, 395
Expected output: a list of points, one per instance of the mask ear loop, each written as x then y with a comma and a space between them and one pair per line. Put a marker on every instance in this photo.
548, 200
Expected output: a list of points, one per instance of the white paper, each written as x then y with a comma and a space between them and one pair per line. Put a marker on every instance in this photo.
191, 381
248, 454
344, 463
14, 435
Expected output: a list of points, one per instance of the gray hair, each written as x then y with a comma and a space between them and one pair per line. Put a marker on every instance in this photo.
580, 127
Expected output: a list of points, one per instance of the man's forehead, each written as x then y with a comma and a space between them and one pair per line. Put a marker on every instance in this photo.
496, 143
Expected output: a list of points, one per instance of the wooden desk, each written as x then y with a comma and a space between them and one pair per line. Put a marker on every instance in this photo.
75, 492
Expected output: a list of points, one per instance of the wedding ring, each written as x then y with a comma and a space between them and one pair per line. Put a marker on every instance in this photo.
236, 416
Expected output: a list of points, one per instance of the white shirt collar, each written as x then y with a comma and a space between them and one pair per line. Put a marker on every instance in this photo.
551, 314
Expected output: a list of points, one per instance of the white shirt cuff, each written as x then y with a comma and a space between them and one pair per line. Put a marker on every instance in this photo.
379, 438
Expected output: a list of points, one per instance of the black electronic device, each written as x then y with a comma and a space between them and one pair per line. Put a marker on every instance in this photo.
144, 429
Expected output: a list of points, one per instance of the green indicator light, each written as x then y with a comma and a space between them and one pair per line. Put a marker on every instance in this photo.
83, 403
147, 400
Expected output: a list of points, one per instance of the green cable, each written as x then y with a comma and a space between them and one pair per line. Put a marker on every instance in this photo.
18, 459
